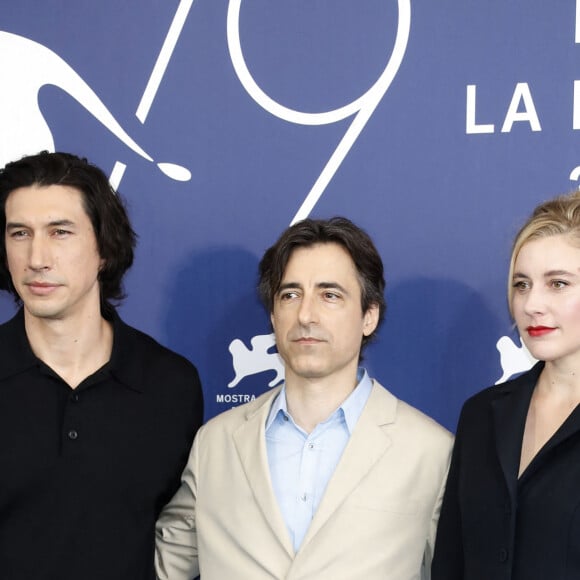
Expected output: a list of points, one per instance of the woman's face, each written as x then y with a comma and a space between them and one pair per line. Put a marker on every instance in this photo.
546, 298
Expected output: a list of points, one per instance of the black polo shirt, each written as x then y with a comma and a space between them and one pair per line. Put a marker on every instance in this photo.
84, 473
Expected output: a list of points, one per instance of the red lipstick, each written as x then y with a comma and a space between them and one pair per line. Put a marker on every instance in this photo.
536, 331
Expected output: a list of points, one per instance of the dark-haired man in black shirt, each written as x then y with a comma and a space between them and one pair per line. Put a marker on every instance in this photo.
96, 418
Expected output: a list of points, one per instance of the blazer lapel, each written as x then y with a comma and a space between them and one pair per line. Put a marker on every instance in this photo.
367, 444
509, 410
250, 441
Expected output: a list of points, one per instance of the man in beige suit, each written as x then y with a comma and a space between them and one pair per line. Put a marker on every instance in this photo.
329, 476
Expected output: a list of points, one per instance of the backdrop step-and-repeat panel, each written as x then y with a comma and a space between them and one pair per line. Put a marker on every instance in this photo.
436, 126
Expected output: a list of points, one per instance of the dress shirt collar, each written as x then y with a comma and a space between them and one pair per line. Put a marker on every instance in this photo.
351, 408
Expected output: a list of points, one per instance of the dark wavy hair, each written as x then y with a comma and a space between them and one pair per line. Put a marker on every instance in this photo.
115, 236
337, 230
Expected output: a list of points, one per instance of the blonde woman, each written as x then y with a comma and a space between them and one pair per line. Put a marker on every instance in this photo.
511, 510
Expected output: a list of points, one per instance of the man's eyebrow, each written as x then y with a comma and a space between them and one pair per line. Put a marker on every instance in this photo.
12, 225
53, 223
330, 285
320, 285
288, 285
62, 222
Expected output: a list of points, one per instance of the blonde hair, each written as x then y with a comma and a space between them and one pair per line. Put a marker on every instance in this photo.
558, 216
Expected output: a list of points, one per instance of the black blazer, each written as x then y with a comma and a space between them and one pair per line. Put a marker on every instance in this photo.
494, 526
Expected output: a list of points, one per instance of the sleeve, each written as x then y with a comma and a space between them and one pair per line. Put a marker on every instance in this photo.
430, 548
176, 554
448, 555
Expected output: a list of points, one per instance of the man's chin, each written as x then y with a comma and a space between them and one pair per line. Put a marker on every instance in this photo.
43, 313
308, 372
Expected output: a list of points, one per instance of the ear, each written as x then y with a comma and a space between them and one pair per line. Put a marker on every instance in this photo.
370, 319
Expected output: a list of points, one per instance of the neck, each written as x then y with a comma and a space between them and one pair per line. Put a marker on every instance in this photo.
560, 378
73, 349
312, 401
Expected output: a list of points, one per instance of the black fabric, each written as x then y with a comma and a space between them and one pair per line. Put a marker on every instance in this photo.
494, 525
84, 473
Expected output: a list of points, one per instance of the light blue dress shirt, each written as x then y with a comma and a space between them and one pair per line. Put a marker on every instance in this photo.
301, 464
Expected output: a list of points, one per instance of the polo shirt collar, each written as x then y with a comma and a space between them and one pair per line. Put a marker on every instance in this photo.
125, 365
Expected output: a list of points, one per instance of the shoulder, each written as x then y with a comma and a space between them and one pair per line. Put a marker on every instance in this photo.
150, 353
253, 411
139, 361
479, 413
12, 326
409, 421
15, 353
417, 419
483, 399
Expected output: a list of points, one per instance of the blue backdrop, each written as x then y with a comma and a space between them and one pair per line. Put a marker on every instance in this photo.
436, 126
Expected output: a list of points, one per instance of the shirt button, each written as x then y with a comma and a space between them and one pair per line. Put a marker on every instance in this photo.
311, 446
75, 397
503, 555
303, 497
72, 434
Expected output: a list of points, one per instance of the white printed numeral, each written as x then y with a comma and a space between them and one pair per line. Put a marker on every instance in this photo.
362, 108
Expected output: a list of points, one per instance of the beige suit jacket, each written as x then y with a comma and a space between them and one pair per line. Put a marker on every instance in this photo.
376, 520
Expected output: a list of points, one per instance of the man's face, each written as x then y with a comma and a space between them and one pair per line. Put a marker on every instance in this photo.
317, 315
52, 252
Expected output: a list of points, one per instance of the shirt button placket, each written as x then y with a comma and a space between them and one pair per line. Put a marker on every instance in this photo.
71, 420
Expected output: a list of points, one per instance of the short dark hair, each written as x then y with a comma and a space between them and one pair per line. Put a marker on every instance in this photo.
337, 230
114, 234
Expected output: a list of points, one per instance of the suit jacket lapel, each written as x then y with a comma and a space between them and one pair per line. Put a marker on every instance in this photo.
250, 441
367, 444
509, 410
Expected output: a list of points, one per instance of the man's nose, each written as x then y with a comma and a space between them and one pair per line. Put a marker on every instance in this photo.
40, 257
308, 311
